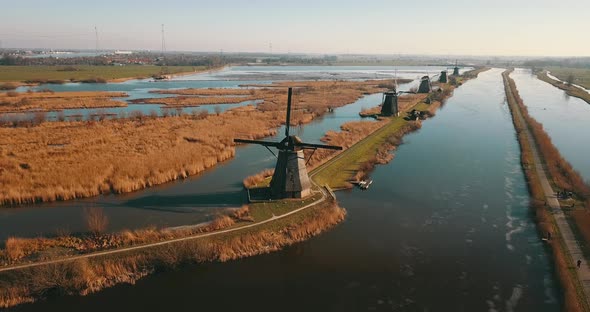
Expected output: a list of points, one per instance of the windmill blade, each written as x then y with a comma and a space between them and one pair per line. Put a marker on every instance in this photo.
314, 146
264, 143
288, 122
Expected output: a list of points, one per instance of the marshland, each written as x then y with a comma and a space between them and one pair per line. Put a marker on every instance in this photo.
296, 156
436, 189
201, 196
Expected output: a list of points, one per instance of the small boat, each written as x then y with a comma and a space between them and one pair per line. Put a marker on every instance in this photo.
161, 77
363, 185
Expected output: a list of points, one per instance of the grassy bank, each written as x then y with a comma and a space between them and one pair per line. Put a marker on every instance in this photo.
87, 73
570, 90
88, 275
574, 298
581, 75
369, 143
361, 155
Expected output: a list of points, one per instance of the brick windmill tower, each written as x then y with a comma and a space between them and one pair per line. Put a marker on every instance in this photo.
290, 179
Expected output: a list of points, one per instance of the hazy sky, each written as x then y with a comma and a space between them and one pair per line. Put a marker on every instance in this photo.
492, 27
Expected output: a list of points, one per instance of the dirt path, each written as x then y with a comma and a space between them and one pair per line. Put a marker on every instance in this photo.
572, 245
176, 240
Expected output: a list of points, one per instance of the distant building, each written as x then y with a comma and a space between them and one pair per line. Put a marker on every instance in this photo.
390, 105
123, 52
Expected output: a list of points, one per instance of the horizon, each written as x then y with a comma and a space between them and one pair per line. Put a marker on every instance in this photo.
296, 53
376, 27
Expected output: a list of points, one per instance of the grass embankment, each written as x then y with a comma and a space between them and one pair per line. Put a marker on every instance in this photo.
66, 160
561, 175
404, 103
52, 101
581, 75
366, 143
569, 89
88, 275
87, 73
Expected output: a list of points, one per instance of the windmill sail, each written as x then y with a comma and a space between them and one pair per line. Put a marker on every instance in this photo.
290, 179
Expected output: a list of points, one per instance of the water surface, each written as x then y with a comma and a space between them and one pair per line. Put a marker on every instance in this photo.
564, 118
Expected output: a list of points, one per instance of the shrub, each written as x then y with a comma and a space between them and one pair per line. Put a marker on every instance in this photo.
39, 118
253, 180
94, 80
68, 69
136, 114
8, 86
15, 248
96, 220
61, 116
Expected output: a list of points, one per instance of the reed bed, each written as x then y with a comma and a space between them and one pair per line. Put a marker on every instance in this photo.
569, 89
66, 160
51, 101
192, 101
256, 179
86, 276
311, 98
207, 92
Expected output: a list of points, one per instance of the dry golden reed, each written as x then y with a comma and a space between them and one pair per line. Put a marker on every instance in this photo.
66, 160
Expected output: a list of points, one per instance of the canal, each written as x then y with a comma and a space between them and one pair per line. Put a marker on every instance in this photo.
444, 227
564, 118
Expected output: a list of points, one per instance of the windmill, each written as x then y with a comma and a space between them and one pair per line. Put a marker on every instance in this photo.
443, 77
456, 69
390, 105
290, 179
425, 86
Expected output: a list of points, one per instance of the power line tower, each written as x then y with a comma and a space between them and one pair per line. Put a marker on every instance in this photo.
163, 41
96, 43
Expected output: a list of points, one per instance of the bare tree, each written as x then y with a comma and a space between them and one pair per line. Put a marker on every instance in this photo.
570, 79
61, 116
96, 220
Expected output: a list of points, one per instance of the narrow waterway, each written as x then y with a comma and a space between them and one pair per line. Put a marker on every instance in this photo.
564, 118
444, 227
